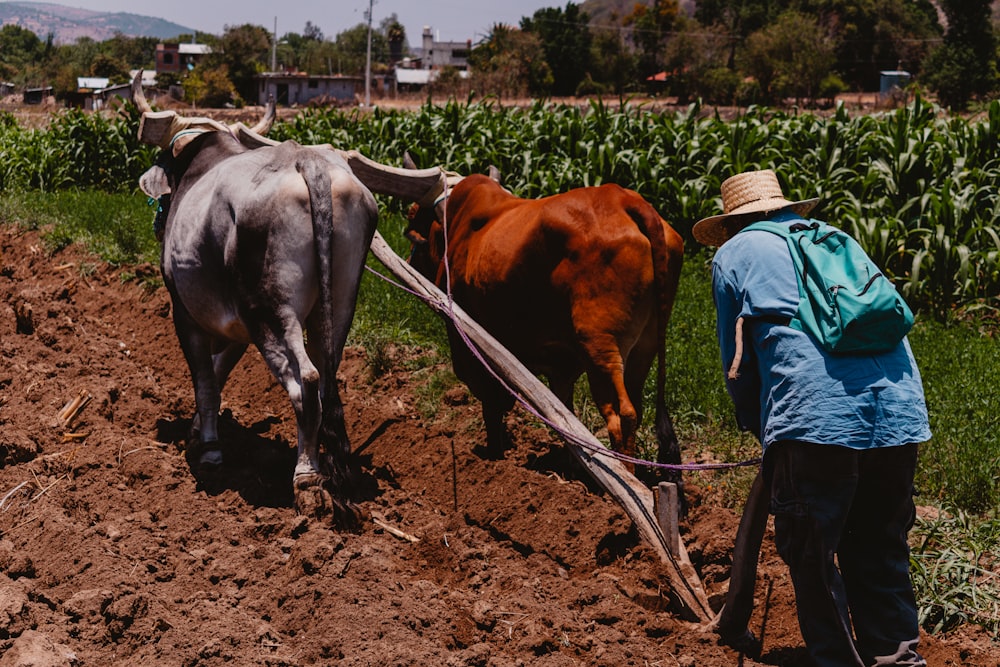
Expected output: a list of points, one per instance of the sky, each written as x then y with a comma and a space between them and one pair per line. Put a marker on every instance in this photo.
449, 20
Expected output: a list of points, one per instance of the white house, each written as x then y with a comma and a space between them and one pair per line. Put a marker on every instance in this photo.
299, 88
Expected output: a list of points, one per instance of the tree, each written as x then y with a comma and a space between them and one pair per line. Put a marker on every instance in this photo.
395, 34
510, 62
352, 46
133, 52
613, 63
312, 32
209, 86
69, 61
695, 63
740, 17
566, 41
245, 50
650, 27
964, 66
876, 35
21, 53
790, 58
113, 69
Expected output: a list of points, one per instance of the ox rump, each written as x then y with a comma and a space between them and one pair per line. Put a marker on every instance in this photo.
260, 247
579, 282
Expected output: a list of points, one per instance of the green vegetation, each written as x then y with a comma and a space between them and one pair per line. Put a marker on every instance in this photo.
724, 52
115, 226
956, 571
919, 189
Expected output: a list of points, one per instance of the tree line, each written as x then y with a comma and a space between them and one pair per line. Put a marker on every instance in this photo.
720, 51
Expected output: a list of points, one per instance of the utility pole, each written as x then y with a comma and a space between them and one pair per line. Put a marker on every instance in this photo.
368, 60
274, 47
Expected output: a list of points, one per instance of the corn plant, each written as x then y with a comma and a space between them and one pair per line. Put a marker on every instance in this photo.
954, 566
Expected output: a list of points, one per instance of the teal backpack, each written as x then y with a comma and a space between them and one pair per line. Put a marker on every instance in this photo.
845, 303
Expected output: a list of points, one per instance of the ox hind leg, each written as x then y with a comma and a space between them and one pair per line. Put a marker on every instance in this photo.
283, 347
223, 362
197, 346
333, 436
640, 361
606, 376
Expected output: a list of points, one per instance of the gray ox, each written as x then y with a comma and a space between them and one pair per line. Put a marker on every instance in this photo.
261, 246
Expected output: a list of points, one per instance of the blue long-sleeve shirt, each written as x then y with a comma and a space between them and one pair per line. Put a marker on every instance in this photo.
788, 387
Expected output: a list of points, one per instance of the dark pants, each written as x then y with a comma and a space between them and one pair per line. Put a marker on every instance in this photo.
856, 505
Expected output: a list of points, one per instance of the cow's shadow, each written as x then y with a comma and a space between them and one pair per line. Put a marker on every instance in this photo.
256, 463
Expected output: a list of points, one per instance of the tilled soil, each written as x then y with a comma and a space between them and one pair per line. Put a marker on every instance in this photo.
114, 552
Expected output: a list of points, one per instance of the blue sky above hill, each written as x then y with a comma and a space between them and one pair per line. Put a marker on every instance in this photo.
450, 20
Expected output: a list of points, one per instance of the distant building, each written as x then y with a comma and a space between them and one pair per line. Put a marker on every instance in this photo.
174, 57
37, 95
87, 93
892, 84
417, 72
6, 88
410, 80
299, 88
444, 54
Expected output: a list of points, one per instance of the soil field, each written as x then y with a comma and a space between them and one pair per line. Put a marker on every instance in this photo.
113, 552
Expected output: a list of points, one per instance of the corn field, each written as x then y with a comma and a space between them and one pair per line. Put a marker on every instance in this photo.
917, 188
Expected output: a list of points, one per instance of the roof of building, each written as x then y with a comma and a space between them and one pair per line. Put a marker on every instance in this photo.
420, 77
194, 49
92, 82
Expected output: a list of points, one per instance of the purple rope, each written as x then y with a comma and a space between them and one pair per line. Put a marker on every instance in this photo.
590, 447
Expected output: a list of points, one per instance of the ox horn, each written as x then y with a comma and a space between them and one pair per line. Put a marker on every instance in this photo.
138, 97
415, 185
270, 113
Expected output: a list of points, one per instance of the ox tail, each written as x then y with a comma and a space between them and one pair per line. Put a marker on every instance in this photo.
317, 181
667, 257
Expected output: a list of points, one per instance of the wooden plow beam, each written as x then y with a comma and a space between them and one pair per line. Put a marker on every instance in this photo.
635, 498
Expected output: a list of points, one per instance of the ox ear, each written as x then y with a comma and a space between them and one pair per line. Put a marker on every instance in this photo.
154, 182
415, 237
494, 173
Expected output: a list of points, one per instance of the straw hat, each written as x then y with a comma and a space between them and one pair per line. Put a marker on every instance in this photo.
749, 192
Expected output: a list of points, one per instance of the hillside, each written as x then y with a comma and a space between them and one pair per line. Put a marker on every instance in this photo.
67, 24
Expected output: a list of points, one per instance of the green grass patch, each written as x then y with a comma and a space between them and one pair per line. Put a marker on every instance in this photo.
959, 366
116, 227
955, 565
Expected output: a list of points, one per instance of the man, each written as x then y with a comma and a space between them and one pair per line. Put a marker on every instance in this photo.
839, 433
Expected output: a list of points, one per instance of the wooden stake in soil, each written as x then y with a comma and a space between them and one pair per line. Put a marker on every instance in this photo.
666, 514
72, 409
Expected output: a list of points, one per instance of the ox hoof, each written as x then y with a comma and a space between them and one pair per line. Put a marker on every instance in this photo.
312, 499
211, 457
741, 641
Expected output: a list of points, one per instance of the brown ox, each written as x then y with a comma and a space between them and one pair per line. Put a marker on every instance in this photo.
579, 282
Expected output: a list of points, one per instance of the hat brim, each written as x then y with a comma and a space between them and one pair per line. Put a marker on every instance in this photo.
717, 229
